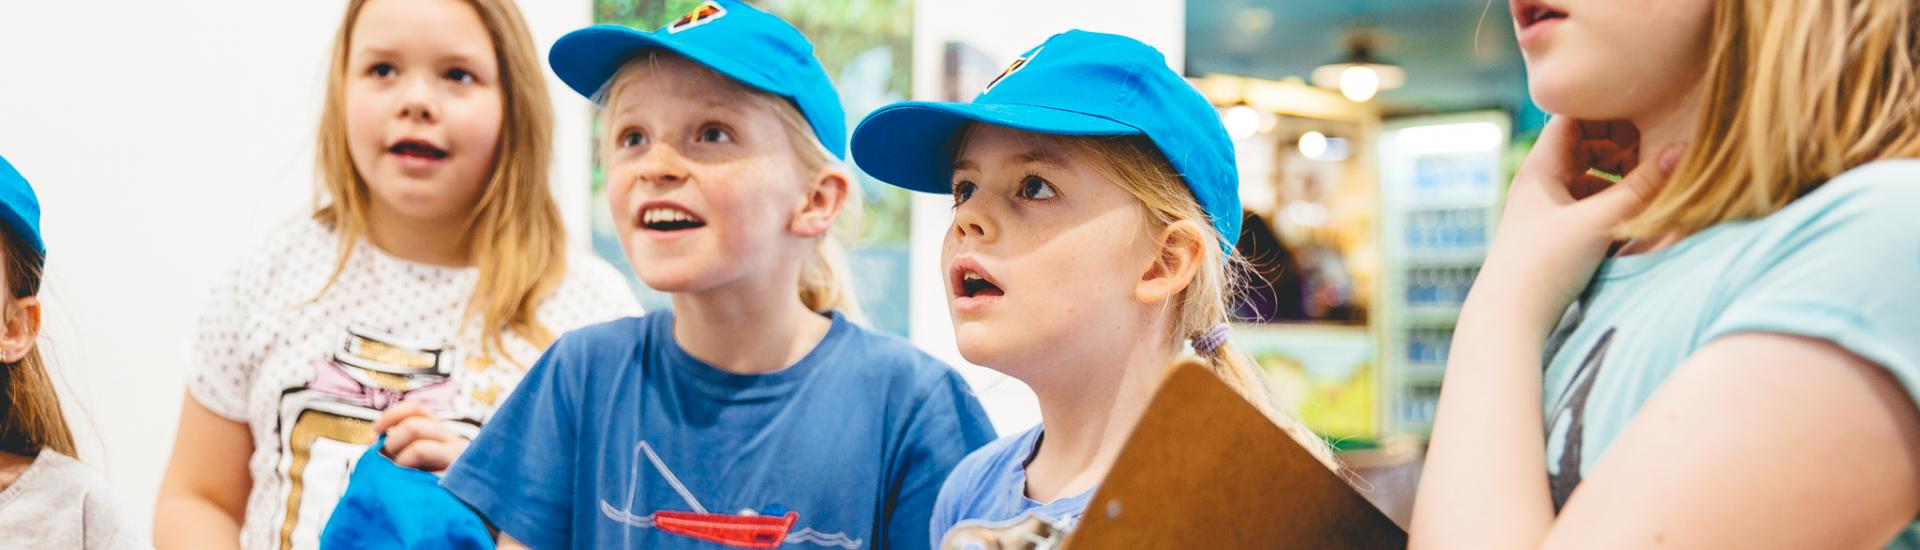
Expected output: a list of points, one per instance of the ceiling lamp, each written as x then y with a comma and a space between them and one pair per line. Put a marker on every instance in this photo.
1359, 75
1242, 121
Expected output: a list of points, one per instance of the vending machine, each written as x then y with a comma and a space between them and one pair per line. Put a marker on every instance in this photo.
1441, 183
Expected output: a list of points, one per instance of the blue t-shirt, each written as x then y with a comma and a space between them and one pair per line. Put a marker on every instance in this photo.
986, 496
1841, 264
618, 438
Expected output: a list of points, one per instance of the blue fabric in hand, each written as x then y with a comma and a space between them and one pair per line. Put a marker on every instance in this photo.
388, 506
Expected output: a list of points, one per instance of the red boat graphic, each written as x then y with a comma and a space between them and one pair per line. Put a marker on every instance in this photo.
736, 531
748, 529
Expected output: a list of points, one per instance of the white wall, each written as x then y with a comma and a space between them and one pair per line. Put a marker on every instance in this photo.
164, 138
1004, 29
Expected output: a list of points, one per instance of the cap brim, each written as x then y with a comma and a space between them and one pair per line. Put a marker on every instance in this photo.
587, 58
907, 144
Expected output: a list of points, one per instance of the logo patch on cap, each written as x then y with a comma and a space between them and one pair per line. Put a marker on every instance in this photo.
702, 15
1014, 67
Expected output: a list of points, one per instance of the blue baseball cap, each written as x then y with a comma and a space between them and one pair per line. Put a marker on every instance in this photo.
732, 38
1077, 83
21, 209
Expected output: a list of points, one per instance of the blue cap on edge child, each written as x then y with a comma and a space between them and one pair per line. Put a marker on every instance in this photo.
1077, 83
19, 208
732, 38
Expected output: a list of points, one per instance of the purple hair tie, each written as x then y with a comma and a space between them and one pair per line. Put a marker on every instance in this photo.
1206, 344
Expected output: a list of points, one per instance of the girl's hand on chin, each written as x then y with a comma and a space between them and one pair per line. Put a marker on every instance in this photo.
1558, 221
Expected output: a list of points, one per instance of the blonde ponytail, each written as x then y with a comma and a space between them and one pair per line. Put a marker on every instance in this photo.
823, 278
1136, 165
1243, 373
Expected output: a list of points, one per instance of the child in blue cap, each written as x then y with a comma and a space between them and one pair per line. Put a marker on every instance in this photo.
1095, 209
47, 499
754, 414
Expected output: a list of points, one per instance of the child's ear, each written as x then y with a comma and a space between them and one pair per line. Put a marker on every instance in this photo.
826, 194
1181, 246
22, 329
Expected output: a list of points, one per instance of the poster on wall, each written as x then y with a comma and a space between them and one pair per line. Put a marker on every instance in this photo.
866, 46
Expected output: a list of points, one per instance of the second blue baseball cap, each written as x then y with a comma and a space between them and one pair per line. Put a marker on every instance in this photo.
389, 506
730, 37
1077, 83
19, 208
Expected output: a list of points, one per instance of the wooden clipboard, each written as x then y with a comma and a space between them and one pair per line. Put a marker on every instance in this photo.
1205, 469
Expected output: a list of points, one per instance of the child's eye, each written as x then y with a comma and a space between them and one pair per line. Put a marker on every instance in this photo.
381, 70
460, 75
1034, 188
715, 134
632, 138
963, 190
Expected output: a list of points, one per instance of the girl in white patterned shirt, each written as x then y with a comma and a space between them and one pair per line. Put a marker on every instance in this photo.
432, 275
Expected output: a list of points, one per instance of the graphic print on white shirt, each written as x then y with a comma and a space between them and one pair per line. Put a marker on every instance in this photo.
307, 360
327, 424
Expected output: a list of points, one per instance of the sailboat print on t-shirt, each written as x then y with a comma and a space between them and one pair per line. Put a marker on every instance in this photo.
769, 527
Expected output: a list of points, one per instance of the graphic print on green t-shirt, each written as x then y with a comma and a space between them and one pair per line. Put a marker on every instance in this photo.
1573, 405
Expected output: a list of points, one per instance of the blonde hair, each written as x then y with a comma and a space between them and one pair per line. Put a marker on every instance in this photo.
825, 282
515, 236
1136, 165
1797, 92
30, 416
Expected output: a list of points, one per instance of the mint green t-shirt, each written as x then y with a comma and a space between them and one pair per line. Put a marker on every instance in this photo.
1841, 264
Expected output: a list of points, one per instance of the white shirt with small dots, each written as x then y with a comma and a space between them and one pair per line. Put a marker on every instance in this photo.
267, 354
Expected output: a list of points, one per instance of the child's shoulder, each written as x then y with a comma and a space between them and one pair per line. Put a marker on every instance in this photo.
625, 332
589, 291
302, 235
1006, 452
885, 354
1885, 192
286, 263
68, 473
589, 271
591, 352
298, 245
51, 490
1869, 210
996, 462
1906, 171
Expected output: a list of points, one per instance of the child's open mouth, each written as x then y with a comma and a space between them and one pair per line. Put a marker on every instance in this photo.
417, 150
974, 285
1532, 14
1533, 19
973, 288
669, 218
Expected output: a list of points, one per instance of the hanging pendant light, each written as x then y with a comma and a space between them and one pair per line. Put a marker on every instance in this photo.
1359, 75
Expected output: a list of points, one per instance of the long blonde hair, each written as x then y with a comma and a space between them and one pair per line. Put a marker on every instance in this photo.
1136, 165
515, 236
30, 416
1797, 92
825, 282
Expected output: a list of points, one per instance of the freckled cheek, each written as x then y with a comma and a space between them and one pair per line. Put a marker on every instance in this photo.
1055, 265
1068, 295
620, 195
735, 214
